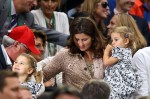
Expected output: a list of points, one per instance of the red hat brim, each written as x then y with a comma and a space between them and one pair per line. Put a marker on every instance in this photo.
34, 50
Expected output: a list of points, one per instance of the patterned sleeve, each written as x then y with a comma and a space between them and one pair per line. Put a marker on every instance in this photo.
33, 86
117, 52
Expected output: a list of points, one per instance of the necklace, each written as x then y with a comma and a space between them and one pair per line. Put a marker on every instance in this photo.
90, 67
50, 23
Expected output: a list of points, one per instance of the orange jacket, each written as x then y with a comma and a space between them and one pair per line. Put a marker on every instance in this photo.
137, 9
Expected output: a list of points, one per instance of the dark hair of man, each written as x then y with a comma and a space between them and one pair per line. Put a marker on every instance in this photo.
87, 26
96, 89
65, 90
5, 74
40, 34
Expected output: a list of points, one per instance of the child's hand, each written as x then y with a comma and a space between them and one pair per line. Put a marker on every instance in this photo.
108, 48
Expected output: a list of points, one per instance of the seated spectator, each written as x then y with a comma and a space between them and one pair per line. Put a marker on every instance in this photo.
25, 66
82, 59
20, 40
96, 89
9, 85
40, 43
98, 11
47, 17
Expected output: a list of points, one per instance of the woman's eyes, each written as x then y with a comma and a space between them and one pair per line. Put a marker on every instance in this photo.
50, 0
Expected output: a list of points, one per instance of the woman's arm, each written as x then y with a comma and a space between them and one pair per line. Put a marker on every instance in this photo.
54, 66
107, 59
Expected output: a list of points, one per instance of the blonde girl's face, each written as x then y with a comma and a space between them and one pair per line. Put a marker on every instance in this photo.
118, 40
48, 6
22, 66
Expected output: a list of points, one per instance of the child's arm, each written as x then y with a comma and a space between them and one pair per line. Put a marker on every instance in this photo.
107, 59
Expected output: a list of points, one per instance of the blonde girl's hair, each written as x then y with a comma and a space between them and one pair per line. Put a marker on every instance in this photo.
123, 19
33, 64
126, 33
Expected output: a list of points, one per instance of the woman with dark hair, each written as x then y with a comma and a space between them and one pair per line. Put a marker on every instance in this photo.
82, 59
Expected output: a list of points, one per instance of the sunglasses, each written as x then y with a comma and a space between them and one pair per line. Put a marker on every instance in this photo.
104, 4
27, 50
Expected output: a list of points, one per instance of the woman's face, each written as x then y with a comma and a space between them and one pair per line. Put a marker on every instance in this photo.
125, 5
48, 6
39, 45
102, 9
83, 41
112, 24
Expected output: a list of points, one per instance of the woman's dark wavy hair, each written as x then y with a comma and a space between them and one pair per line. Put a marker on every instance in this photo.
87, 26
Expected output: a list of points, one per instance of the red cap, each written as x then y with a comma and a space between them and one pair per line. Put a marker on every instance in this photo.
24, 35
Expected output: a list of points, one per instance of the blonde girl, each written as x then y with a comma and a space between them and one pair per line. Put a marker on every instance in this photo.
25, 66
119, 73
123, 19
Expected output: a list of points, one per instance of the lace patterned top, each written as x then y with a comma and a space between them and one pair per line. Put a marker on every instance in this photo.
74, 68
33, 86
122, 77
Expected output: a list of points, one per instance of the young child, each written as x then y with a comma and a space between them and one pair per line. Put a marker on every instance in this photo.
25, 66
119, 72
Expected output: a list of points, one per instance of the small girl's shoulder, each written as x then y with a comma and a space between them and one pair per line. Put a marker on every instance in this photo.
121, 49
33, 86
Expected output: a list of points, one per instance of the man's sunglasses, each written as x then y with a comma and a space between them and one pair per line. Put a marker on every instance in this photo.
104, 4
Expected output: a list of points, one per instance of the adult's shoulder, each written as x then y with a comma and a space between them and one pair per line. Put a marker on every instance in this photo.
142, 54
145, 51
63, 51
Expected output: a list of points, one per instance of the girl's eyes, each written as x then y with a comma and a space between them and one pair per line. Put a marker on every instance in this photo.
21, 63
116, 39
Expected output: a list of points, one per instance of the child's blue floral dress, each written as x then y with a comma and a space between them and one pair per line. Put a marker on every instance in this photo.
121, 76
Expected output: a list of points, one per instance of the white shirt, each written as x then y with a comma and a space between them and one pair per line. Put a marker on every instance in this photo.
141, 61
